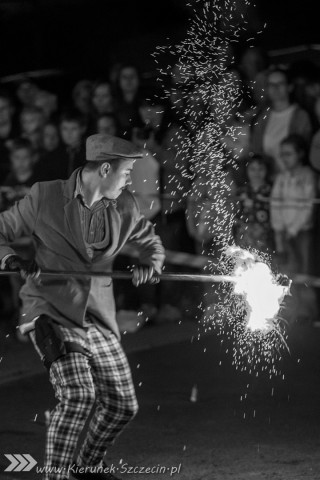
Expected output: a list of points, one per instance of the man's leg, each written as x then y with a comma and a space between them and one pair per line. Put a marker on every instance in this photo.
72, 381
116, 402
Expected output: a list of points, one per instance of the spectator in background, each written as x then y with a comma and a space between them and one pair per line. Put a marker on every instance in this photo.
26, 92
252, 68
292, 205
21, 176
81, 96
102, 99
70, 154
107, 124
253, 228
14, 188
315, 143
32, 122
127, 100
7, 132
47, 102
51, 137
280, 120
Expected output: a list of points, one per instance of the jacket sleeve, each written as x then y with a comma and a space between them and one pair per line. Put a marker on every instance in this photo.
148, 244
276, 215
18, 221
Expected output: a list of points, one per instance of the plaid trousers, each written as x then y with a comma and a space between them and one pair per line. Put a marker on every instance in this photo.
103, 379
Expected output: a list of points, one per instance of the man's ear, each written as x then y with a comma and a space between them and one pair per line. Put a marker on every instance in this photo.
104, 169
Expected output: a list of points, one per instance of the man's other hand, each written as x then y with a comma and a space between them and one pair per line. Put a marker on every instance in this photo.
144, 274
26, 268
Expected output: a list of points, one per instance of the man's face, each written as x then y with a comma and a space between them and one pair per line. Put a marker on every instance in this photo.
5, 111
118, 178
102, 99
129, 80
21, 161
277, 87
71, 133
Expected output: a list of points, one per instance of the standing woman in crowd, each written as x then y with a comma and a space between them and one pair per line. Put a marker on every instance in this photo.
127, 99
280, 119
253, 227
292, 209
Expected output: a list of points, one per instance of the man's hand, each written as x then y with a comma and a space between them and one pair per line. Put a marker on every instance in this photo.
144, 274
27, 269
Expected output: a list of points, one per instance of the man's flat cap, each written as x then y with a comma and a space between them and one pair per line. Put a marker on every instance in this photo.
104, 147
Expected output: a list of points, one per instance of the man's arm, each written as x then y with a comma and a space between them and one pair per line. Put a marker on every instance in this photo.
148, 244
18, 221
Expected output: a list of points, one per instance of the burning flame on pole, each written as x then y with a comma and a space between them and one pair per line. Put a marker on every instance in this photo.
259, 288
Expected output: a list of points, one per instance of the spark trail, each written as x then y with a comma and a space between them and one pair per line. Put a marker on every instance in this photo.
205, 92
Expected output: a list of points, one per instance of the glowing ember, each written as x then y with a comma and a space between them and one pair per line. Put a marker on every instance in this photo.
259, 288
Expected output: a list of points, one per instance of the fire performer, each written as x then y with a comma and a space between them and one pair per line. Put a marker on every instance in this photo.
82, 224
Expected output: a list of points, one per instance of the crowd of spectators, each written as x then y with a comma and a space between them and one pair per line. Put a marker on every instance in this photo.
274, 185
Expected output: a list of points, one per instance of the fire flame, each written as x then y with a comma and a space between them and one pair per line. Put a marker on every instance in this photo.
257, 285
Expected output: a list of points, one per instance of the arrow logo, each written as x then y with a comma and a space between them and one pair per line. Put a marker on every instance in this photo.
20, 463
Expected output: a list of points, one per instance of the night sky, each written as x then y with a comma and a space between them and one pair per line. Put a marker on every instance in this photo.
87, 36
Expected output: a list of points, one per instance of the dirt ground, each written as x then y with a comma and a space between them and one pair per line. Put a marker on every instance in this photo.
273, 434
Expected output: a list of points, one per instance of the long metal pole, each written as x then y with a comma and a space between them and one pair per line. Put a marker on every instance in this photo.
173, 277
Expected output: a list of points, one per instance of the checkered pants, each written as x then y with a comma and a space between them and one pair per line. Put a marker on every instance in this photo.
103, 378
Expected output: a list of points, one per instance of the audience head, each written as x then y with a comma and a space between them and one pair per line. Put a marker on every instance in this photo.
102, 98
278, 86
6, 108
293, 151
22, 157
81, 96
51, 138
253, 61
26, 92
128, 80
47, 102
257, 170
72, 128
151, 111
107, 124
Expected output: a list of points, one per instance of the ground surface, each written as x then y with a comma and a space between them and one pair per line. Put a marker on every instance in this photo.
273, 434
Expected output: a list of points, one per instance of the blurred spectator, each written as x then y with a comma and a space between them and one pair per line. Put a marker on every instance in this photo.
315, 143
47, 102
21, 175
81, 96
253, 64
7, 132
107, 124
277, 122
14, 188
236, 143
26, 92
32, 122
102, 99
209, 209
292, 206
51, 137
68, 156
253, 228
127, 99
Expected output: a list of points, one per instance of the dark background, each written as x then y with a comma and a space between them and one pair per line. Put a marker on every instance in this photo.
87, 36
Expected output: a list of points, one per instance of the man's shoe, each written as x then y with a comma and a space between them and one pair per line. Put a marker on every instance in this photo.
106, 475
